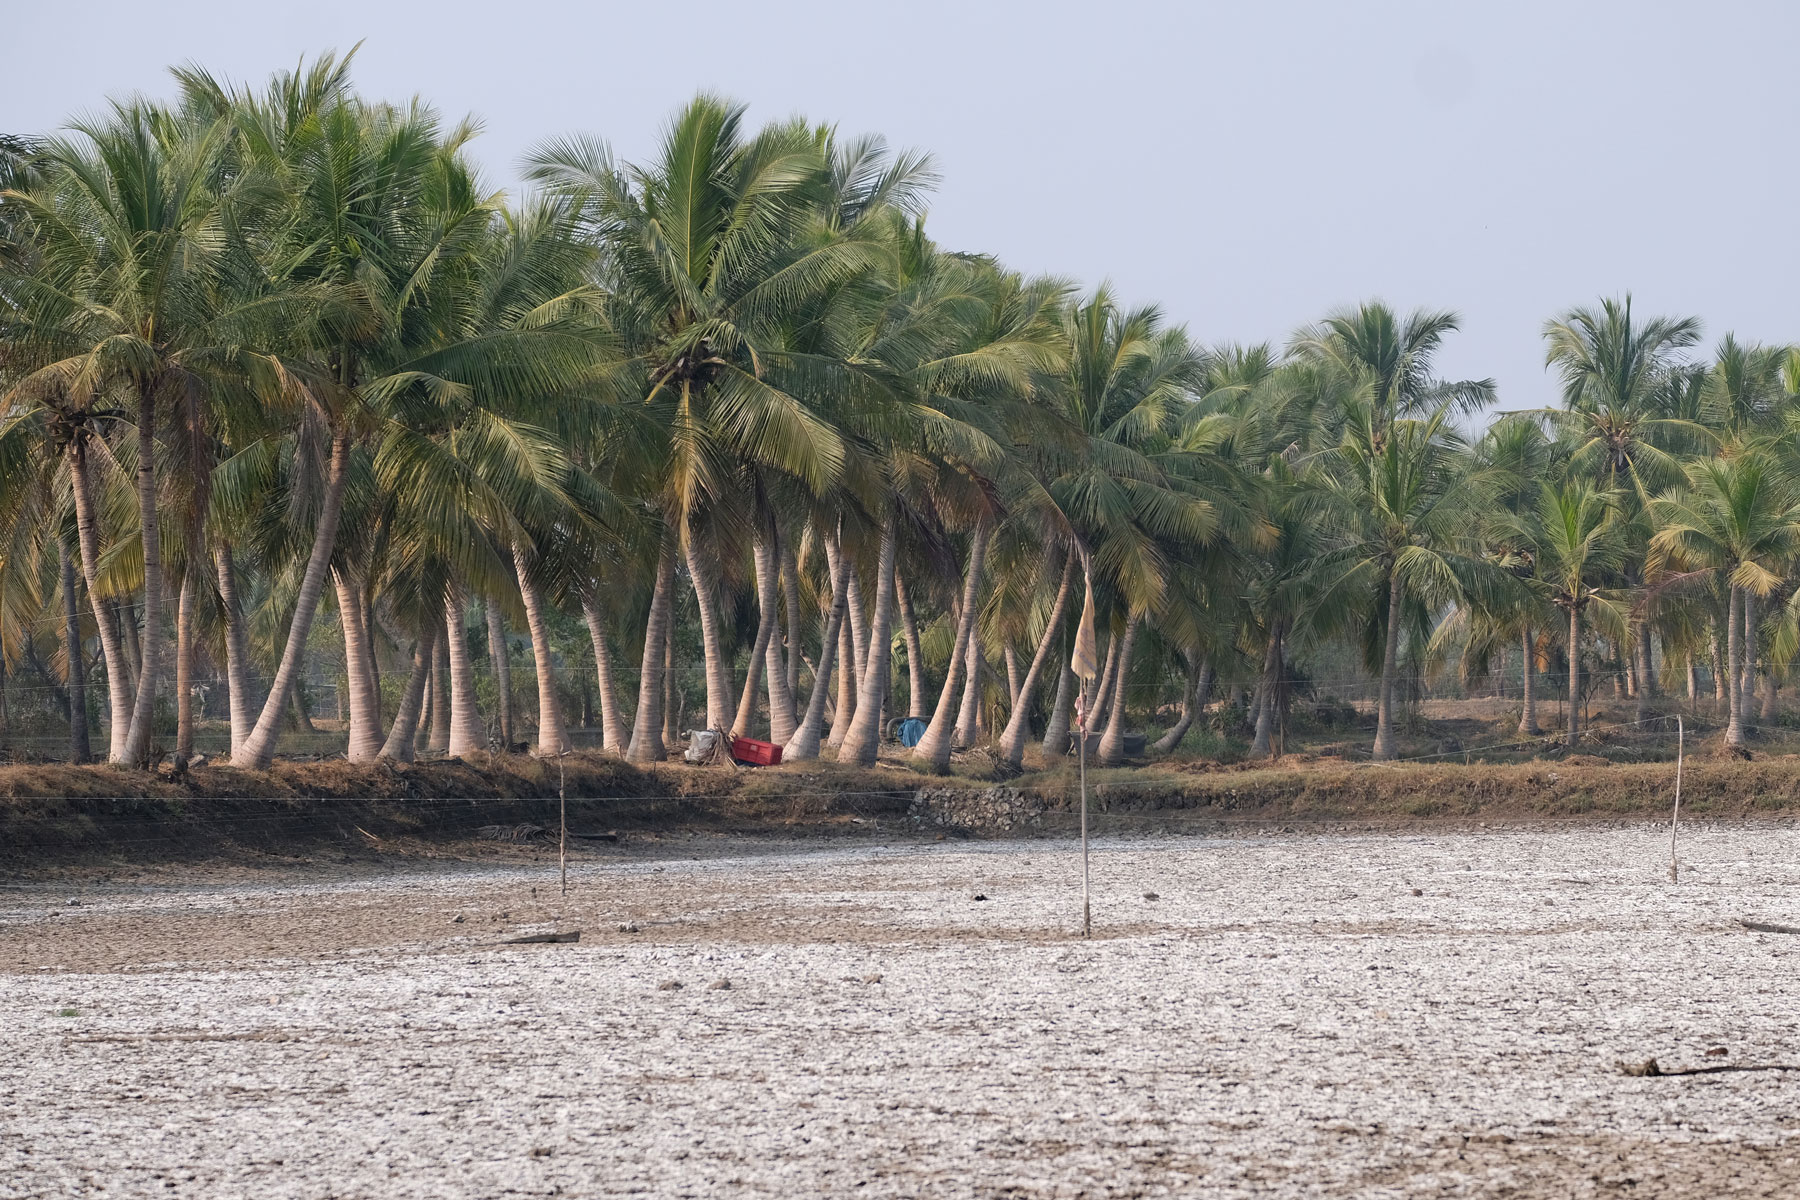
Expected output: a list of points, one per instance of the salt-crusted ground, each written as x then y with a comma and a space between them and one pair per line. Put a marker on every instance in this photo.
1286, 1018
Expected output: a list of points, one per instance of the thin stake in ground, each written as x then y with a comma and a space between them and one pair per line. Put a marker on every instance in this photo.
1675, 820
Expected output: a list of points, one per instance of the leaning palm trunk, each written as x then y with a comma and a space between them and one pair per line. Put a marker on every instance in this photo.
1574, 737
767, 618
647, 725
613, 733
968, 715
862, 741
1095, 710
783, 720
143, 712
702, 570
915, 655
365, 717
934, 748
399, 744
79, 750
1390, 657
1528, 726
1734, 654
500, 659
1193, 702
1112, 742
1056, 729
553, 736
237, 647
1018, 721
258, 750
106, 619
805, 742
465, 718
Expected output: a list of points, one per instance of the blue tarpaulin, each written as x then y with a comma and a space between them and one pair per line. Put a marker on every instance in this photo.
911, 730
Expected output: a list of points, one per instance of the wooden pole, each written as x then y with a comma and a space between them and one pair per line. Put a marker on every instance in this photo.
562, 840
1675, 820
1087, 919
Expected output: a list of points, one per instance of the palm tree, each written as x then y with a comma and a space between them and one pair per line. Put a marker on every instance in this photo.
1405, 507
1577, 536
707, 255
1738, 517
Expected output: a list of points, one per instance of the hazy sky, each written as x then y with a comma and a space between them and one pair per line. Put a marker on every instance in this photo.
1249, 166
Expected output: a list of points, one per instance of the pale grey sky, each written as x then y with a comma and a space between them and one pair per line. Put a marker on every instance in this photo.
1248, 165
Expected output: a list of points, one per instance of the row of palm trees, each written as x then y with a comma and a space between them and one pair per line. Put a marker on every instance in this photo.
267, 353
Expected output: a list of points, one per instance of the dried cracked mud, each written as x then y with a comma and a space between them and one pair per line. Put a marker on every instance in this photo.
1380, 1016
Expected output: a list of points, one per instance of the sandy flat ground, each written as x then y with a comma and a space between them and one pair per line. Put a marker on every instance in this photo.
1285, 1018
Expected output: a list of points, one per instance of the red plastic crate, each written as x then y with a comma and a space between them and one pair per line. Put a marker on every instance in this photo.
761, 754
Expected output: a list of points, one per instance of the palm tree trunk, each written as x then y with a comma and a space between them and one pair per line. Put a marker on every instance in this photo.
1011, 658
500, 661
1770, 696
1693, 681
1056, 729
1640, 675
258, 750
465, 717
237, 647
805, 742
1748, 704
858, 616
1574, 737
437, 736
934, 748
862, 741
106, 621
613, 734
790, 597
553, 735
1112, 742
767, 619
143, 712
1528, 726
837, 562
968, 711
1263, 745
399, 744
1094, 712
701, 569
1734, 653
302, 718
1018, 720
647, 723
674, 707
915, 654
365, 721
1390, 658
783, 720
184, 669
1719, 673
1193, 699
79, 750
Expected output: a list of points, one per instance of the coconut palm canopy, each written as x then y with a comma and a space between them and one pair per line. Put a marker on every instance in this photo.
293, 403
